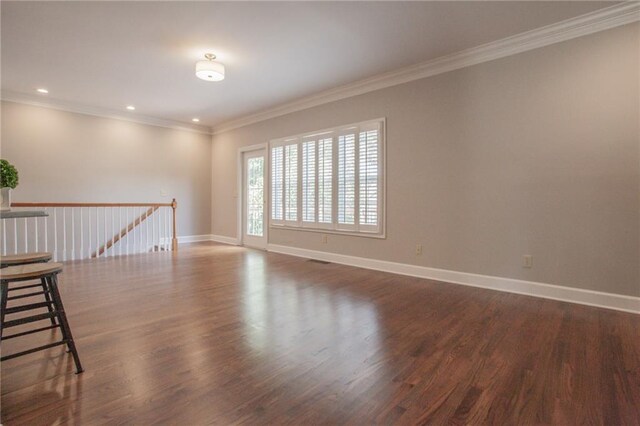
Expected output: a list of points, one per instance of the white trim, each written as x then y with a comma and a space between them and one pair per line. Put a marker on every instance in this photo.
194, 238
240, 190
225, 240
547, 291
23, 98
600, 20
185, 239
364, 234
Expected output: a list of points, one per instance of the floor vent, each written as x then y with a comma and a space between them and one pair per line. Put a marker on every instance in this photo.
322, 262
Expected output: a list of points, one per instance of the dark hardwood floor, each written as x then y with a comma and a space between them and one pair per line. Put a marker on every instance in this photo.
223, 335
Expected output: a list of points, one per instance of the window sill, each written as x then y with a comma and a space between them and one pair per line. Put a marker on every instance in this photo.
381, 236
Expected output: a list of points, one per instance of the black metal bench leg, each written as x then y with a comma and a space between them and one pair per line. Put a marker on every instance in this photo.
45, 288
64, 324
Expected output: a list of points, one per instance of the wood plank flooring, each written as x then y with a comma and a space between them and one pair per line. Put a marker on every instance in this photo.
218, 334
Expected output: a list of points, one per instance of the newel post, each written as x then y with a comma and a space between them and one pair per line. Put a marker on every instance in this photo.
174, 240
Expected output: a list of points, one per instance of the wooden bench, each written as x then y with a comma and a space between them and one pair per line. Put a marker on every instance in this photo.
47, 274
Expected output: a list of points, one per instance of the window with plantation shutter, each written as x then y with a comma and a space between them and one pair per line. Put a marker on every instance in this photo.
368, 177
325, 180
330, 180
346, 179
277, 183
309, 181
291, 182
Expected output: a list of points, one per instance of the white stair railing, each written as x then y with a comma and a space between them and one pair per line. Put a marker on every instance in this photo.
73, 231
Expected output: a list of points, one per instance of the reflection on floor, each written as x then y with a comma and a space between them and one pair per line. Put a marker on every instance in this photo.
222, 334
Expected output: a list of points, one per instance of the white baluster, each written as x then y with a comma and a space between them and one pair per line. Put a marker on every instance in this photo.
147, 230
89, 229
153, 230
154, 217
97, 232
55, 234
36, 231
81, 235
15, 236
112, 232
26, 235
73, 234
126, 216
104, 217
166, 239
157, 225
139, 232
64, 233
4, 237
46, 230
120, 230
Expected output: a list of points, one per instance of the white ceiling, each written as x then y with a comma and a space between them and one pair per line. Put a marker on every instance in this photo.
112, 54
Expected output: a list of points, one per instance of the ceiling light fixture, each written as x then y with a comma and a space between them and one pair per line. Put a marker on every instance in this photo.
209, 70
131, 108
195, 120
45, 91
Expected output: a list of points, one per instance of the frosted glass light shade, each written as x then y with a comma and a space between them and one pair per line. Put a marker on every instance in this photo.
210, 70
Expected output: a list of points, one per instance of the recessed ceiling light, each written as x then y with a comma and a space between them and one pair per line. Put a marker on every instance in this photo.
195, 120
209, 70
45, 91
131, 108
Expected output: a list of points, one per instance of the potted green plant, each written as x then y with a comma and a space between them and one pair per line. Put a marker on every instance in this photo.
8, 181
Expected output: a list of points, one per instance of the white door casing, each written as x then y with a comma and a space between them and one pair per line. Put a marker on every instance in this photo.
254, 198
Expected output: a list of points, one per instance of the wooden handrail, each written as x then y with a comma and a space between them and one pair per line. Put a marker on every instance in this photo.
93, 204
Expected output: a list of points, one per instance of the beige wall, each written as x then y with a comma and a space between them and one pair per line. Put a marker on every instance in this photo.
69, 157
537, 153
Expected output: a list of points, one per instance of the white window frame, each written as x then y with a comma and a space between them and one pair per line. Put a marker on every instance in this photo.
356, 229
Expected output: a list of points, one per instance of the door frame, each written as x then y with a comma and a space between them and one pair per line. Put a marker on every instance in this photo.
240, 193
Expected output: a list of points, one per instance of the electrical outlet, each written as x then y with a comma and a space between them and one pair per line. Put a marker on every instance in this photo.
163, 193
325, 239
527, 261
418, 249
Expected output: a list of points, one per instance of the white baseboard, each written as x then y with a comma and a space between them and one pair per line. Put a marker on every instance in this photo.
204, 237
207, 237
529, 288
194, 238
224, 240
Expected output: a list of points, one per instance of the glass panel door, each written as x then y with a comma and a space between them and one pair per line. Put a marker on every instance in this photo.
254, 199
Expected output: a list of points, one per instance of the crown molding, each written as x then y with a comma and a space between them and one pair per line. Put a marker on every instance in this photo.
600, 20
53, 103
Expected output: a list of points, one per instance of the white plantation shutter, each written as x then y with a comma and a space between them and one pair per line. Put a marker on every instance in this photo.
291, 183
368, 179
330, 180
277, 183
325, 180
309, 181
346, 180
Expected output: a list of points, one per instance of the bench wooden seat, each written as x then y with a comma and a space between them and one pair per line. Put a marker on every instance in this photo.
24, 258
31, 271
